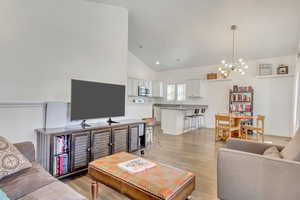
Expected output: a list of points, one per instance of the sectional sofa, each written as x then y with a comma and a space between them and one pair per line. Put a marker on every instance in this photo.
35, 183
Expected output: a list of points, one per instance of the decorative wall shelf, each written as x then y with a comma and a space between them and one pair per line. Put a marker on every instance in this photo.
276, 76
216, 80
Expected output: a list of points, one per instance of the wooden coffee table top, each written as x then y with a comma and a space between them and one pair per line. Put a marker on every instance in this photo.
161, 182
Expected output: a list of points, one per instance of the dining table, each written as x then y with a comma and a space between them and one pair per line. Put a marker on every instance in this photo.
237, 118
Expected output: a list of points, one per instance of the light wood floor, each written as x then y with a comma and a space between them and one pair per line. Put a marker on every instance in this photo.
194, 151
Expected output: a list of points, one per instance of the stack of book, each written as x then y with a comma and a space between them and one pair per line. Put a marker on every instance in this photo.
136, 165
248, 108
61, 158
61, 144
61, 164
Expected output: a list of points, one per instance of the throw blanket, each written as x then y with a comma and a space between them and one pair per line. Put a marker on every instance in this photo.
3, 195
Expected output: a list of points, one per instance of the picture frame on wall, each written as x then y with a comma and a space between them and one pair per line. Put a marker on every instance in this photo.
282, 69
265, 69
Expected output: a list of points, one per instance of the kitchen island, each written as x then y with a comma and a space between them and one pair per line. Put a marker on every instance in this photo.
175, 122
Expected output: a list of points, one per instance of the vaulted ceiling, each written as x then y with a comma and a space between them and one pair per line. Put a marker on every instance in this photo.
193, 33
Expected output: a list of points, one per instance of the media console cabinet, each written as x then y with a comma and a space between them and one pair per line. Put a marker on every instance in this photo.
68, 150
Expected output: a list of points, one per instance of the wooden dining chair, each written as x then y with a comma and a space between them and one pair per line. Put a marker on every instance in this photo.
258, 127
225, 126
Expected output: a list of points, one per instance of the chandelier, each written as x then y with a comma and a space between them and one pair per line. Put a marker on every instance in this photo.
236, 64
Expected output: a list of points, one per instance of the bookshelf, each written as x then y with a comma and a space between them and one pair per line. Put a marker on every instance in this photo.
241, 102
61, 155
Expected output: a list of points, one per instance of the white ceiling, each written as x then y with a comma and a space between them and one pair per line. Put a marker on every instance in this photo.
198, 31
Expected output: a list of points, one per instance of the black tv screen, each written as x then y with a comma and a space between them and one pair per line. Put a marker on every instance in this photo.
91, 100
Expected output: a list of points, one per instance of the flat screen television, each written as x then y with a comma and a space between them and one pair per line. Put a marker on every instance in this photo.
91, 100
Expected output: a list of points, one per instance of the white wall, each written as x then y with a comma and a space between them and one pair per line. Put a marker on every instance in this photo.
43, 44
19, 120
138, 69
296, 95
273, 97
46, 43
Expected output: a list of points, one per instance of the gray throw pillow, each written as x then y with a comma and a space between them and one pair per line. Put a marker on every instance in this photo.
11, 160
272, 152
292, 150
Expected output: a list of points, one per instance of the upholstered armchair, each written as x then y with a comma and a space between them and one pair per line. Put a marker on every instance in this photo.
244, 173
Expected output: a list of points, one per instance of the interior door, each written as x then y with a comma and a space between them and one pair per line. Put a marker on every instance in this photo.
120, 139
133, 138
101, 143
80, 150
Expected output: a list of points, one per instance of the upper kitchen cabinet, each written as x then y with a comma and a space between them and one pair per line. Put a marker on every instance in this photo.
157, 89
148, 86
142, 83
195, 88
133, 87
139, 87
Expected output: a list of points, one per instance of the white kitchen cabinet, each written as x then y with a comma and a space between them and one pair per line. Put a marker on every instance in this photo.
195, 88
148, 85
157, 89
132, 87
141, 83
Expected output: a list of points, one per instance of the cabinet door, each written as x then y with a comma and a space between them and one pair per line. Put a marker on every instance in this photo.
194, 88
161, 89
197, 92
129, 87
148, 85
80, 150
202, 89
120, 139
135, 87
133, 138
141, 83
157, 89
189, 88
101, 143
132, 87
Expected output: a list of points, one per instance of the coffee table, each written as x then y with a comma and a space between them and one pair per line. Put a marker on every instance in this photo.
162, 182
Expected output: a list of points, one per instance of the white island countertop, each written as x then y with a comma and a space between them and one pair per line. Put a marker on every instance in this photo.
178, 108
173, 119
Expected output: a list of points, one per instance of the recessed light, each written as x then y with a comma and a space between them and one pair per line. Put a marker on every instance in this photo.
157, 62
178, 60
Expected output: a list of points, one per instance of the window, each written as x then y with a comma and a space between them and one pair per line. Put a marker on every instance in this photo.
171, 92
181, 92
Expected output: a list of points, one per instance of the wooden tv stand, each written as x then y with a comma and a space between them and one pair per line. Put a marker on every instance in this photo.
79, 146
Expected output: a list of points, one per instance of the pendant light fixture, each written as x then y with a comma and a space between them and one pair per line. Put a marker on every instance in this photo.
236, 64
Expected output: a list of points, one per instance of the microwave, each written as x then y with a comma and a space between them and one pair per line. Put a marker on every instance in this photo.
144, 92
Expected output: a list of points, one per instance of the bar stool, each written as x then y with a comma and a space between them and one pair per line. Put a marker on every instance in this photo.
194, 119
150, 124
201, 118
152, 136
187, 123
